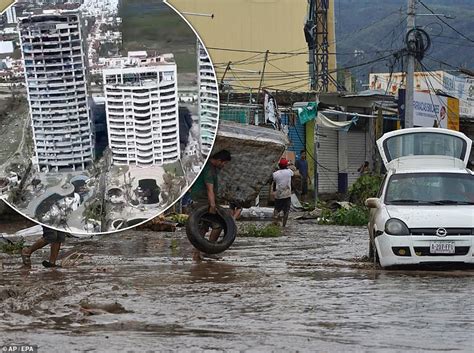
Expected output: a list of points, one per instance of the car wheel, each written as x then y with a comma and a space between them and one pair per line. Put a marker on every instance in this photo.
376, 257
371, 249
201, 219
373, 255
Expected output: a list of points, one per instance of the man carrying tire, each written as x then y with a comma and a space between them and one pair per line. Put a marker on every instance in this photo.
204, 192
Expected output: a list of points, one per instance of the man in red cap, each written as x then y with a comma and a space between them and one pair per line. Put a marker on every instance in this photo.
282, 189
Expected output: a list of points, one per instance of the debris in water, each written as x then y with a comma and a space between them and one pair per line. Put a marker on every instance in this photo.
98, 309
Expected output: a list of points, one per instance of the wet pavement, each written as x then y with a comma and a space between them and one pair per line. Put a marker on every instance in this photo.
308, 290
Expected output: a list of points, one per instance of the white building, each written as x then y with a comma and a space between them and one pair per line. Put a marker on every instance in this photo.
6, 47
54, 67
208, 100
11, 15
142, 111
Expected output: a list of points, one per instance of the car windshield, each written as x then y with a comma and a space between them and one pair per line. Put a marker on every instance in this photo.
419, 144
430, 188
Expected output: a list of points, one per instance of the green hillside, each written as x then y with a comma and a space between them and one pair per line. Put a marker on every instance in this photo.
153, 26
376, 28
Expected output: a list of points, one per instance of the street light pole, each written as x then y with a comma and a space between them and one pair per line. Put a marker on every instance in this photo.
410, 68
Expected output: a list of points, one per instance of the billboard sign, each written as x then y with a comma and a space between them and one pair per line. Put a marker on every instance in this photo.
435, 111
424, 81
460, 87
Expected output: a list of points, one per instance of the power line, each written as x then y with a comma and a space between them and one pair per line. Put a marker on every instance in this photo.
446, 23
430, 85
348, 36
252, 59
429, 57
258, 51
454, 44
302, 76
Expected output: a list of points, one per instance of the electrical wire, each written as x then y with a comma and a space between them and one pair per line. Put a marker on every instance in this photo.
442, 62
301, 77
430, 85
349, 35
446, 23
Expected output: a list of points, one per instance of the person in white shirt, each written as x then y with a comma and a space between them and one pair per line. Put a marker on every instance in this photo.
282, 190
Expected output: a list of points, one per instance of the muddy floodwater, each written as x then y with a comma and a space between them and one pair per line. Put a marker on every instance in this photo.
308, 290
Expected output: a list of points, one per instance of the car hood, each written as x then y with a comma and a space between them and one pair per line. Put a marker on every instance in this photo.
403, 147
434, 216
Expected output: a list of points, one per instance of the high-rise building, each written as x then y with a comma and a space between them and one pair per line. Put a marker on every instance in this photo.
208, 100
11, 15
142, 110
54, 61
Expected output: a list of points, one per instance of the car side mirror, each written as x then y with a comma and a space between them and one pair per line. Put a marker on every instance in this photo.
372, 202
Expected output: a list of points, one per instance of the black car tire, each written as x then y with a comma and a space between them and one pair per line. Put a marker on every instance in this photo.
202, 244
373, 255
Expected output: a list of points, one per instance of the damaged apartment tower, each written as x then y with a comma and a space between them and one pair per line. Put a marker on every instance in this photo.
53, 54
142, 110
208, 100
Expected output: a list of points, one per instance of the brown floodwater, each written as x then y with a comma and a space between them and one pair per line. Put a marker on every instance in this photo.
308, 290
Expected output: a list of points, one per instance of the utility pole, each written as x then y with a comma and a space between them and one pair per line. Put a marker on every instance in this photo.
227, 68
309, 32
262, 75
260, 86
410, 67
316, 32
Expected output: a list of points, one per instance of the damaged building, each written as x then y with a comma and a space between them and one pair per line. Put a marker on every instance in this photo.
54, 60
142, 110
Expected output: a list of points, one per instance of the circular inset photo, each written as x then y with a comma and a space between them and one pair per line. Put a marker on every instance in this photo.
108, 113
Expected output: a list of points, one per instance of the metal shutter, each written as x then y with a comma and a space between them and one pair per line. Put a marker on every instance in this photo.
327, 160
356, 154
296, 134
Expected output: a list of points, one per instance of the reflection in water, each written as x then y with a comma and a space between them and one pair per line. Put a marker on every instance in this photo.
214, 272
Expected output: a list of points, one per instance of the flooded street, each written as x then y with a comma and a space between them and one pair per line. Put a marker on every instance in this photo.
309, 290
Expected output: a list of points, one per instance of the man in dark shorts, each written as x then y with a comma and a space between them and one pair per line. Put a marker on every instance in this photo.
204, 190
302, 166
50, 236
282, 189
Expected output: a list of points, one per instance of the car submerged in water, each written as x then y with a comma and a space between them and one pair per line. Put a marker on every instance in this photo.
424, 210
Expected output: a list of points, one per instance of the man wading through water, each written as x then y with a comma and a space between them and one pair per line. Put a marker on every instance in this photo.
204, 192
282, 189
50, 236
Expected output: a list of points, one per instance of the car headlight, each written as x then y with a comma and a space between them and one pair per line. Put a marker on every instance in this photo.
395, 226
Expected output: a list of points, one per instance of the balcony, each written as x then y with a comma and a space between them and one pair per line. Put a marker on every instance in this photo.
143, 128
117, 143
172, 109
141, 94
111, 100
169, 125
142, 114
167, 151
140, 135
142, 123
145, 161
167, 86
145, 150
172, 144
168, 132
138, 101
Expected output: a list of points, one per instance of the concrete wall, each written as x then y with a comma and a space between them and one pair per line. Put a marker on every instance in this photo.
256, 25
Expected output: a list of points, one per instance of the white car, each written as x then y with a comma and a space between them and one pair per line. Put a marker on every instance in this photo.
424, 211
